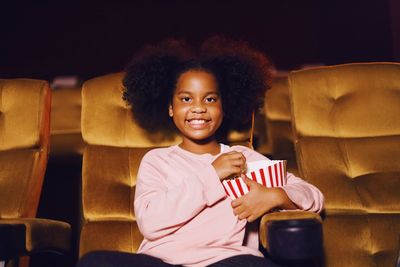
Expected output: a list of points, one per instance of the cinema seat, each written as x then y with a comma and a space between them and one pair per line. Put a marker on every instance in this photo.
24, 147
279, 133
60, 198
346, 120
115, 145
65, 130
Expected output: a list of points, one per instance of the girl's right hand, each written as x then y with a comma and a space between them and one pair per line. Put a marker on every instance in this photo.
229, 164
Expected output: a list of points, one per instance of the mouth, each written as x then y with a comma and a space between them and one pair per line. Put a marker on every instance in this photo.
197, 123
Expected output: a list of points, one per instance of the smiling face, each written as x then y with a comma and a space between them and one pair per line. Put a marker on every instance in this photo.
196, 107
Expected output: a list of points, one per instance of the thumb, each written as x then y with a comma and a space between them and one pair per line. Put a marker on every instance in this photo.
248, 181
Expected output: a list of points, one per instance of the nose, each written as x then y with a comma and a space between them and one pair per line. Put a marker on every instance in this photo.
198, 107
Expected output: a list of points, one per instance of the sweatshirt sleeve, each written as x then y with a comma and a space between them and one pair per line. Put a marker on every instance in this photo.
160, 209
304, 195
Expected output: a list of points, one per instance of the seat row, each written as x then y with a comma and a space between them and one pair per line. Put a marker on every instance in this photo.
342, 120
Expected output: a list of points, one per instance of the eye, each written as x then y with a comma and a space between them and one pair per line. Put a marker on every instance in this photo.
185, 99
211, 99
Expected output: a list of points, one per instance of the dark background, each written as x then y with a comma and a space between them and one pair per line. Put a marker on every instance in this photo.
44, 39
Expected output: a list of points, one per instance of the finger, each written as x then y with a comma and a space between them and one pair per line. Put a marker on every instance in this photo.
231, 157
236, 203
233, 171
248, 181
243, 157
251, 218
235, 212
244, 165
239, 210
244, 168
228, 155
236, 155
238, 158
232, 153
244, 215
238, 163
236, 170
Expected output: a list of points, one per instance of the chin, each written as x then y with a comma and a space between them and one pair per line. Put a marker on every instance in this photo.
202, 140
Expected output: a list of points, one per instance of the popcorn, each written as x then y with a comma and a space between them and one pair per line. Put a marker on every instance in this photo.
270, 173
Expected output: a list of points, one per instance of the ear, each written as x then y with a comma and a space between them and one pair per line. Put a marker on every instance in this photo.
170, 112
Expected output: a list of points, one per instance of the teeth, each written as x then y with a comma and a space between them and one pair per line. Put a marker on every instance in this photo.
197, 121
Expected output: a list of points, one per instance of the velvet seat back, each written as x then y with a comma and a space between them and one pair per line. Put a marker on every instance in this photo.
65, 132
279, 122
346, 120
115, 145
24, 141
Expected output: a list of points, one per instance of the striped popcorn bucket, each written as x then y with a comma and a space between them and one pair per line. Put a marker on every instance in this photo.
270, 173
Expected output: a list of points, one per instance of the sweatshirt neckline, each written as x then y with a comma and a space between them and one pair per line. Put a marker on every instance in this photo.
201, 156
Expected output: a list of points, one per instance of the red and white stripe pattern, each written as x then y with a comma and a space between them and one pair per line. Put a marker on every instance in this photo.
270, 173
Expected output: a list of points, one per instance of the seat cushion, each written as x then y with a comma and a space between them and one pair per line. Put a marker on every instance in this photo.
19, 182
44, 234
115, 235
361, 239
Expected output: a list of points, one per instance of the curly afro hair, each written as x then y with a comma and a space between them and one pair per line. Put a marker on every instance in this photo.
242, 73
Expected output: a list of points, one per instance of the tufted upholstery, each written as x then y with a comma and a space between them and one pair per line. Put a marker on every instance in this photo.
279, 122
24, 146
60, 197
24, 141
66, 137
115, 145
346, 120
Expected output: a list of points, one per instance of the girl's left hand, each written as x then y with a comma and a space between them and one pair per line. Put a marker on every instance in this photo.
259, 200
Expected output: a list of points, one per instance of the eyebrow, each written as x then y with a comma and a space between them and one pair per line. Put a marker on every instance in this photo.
207, 93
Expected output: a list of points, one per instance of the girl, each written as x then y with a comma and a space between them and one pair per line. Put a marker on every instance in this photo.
181, 207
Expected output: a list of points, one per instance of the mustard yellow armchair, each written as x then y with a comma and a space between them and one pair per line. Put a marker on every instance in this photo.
60, 198
278, 120
115, 145
65, 130
346, 121
24, 145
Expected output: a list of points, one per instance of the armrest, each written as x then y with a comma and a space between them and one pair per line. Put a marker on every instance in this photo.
292, 235
29, 235
398, 258
12, 241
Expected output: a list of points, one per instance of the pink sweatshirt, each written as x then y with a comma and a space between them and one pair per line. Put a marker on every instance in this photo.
184, 214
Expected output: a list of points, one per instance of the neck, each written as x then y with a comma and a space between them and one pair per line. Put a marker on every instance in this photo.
202, 147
